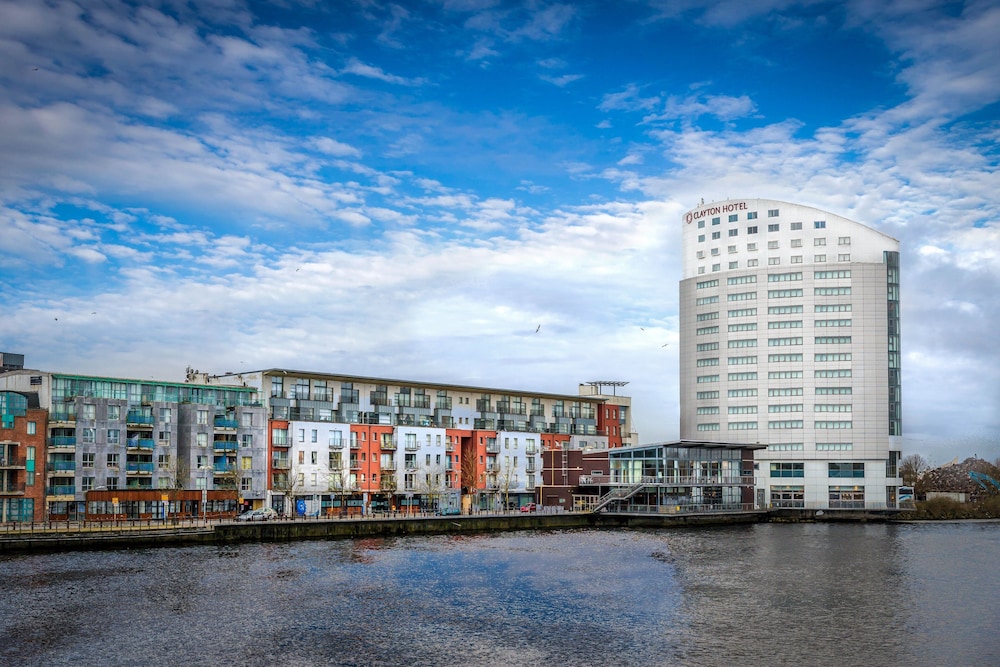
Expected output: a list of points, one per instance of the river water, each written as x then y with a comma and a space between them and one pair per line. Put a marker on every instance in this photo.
770, 594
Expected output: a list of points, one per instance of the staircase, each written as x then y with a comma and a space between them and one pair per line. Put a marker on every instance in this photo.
618, 495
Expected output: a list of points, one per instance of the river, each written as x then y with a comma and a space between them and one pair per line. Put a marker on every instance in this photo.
769, 594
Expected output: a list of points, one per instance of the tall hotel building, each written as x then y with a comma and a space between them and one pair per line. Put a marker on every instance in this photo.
790, 338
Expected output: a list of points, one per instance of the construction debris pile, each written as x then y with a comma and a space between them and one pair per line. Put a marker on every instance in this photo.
954, 478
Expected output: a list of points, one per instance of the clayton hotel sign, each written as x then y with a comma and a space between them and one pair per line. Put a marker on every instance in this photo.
729, 207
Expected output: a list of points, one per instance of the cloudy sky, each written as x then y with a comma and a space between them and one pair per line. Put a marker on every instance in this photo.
409, 189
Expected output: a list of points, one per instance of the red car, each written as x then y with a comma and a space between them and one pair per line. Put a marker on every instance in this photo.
530, 507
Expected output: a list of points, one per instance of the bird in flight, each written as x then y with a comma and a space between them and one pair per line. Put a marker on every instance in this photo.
539, 328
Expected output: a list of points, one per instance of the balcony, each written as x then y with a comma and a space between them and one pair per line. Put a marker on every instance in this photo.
492, 448
529, 466
355, 465
62, 441
139, 419
61, 466
146, 444
449, 446
281, 441
133, 468
132, 483
224, 445
281, 464
225, 423
12, 489
62, 417
388, 445
337, 444
411, 447
411, 465
12, 462
355, 444
221, 467
388, 466
61, 490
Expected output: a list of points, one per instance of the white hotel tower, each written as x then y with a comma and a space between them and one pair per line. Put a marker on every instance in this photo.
789, 333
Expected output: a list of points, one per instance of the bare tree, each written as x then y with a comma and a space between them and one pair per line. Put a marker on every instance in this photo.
472, 480
911, 467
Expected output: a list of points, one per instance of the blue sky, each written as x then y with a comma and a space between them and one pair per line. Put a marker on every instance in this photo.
409, 189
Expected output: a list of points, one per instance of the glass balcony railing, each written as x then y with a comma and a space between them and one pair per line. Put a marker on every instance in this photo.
139, 418
61, 490
62, 441
138, 467
224, 445
223, 422
62, 466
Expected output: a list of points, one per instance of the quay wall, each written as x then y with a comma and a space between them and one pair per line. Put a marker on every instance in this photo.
285, 531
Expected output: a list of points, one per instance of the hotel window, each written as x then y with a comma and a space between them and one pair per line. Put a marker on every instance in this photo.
716, 267
828, 275
773, 228
846, 469
780, 342
731, 248
734, 217
833, 407
89, 411
752, 230
844, 258
819, 259
784, 277
785, 424
715, 252
833, 340
701, 317
778, 358
704, 331
819, 224
752, 247
772, 245
833, 391
748, 326
788, 470
785, 407
707, 283
833, 373
751, 263
701, 254
844, 240
711, 410
833, 323
741, 280
834, 425
701, 270
744, 393
701, 238
742, 426
702, 379
796, 226
734, 232
786, 391
833, 356
819, 241
716, 235
705, 300
716, 221
832, 291
743, 312
772, 213
708, 347
783, 293
742, 342
783, 310
752, 215
785, 324
773, 261
742, 296
88, 459
114, 413
741, 361
701, 224
796, 259
739, 377
796, 243
734, 265
708, 427
834, 446
89, 436
704, 395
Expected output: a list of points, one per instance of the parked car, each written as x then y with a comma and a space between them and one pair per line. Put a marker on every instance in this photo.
262, 514
530, 507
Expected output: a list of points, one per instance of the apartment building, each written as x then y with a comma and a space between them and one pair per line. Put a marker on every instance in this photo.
790, 337
105, 433
345, 445
22, 445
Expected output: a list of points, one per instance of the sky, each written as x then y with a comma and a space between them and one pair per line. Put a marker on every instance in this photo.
482, 192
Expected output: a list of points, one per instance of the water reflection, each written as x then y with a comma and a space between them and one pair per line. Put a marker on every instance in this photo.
766, 594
